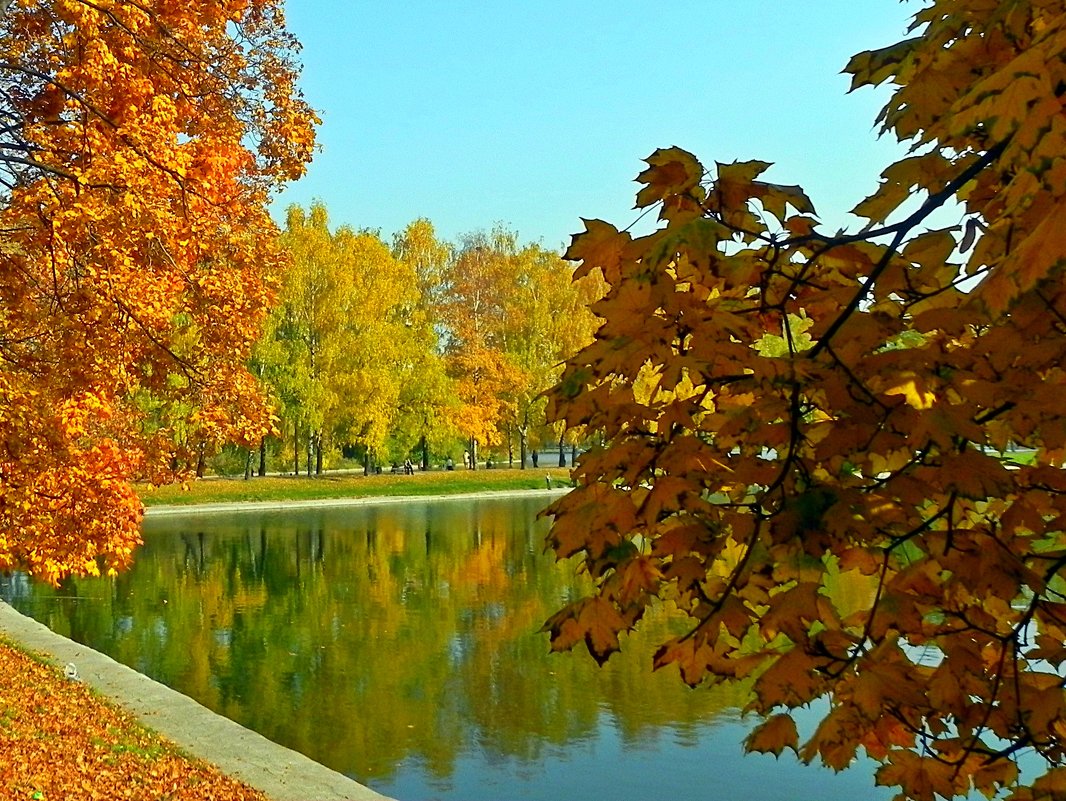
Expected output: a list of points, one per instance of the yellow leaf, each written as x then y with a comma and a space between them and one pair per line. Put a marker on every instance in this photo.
671, 171
600, 246
931, 248
914, 392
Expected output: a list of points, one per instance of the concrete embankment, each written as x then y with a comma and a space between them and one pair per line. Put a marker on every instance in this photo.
280, 773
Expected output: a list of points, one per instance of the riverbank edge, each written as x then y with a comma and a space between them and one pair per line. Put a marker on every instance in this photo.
280, 773
323, 503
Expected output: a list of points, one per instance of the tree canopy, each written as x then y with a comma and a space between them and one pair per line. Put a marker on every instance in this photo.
389, 354
138, 147
335, 347
781, 407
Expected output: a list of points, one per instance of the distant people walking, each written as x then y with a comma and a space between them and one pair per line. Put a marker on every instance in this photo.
408, 468
449, 465
466, 459
535, 458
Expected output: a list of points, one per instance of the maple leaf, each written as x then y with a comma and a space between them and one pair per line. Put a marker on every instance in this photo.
592, 620
600, 246
914, 391
775, 198
671, 171
773, 735
922, 778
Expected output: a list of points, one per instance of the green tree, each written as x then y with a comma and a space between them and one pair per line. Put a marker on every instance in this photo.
739, 475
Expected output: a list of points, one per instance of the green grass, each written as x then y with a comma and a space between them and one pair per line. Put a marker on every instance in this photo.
290, 488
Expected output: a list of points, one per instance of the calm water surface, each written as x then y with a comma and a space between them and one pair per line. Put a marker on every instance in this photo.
398, 644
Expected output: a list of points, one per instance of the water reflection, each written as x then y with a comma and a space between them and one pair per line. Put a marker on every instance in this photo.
398, 644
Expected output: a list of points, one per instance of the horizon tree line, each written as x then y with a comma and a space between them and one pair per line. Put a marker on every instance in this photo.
418, 348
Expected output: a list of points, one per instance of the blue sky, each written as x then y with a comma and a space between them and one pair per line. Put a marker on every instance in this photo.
535, 114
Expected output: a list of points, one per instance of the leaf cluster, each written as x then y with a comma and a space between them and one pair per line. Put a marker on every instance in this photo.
138, 147
787, 412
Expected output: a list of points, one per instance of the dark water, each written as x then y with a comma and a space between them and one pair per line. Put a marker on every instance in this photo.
398, 644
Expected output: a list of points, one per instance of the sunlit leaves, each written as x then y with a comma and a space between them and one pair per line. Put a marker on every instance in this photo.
601, 246
139, 148
851, 397
671, 172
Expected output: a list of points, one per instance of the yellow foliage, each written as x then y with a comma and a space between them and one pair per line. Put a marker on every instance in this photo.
137, 258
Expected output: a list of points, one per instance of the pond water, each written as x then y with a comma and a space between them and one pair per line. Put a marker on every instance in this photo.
398, 643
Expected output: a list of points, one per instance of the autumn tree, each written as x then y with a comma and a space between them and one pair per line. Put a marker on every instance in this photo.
338, 349
427, 403
138, 147
739, 474
546, 320
392, 348
473, 314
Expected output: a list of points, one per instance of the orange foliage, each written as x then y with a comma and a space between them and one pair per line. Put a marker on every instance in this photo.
139, 145
58, 740
782, 409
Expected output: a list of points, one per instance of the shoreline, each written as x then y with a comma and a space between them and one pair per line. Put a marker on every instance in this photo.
169, 510
280, 773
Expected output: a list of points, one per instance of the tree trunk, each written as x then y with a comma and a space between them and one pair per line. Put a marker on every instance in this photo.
366, 463
425, 454
310, 449
473, 454
248, 464
562, 453
573, 453
318, 454
201, 460
523, 442
262, 457
296, 449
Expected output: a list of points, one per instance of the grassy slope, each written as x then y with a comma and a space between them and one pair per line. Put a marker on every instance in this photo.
284, 488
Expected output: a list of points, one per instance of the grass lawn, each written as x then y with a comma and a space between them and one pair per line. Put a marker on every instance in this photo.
351, 485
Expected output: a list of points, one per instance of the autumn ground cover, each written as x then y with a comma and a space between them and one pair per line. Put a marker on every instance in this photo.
59, 741
284, 488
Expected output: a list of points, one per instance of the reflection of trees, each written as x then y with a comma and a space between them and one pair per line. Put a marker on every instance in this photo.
410, 633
